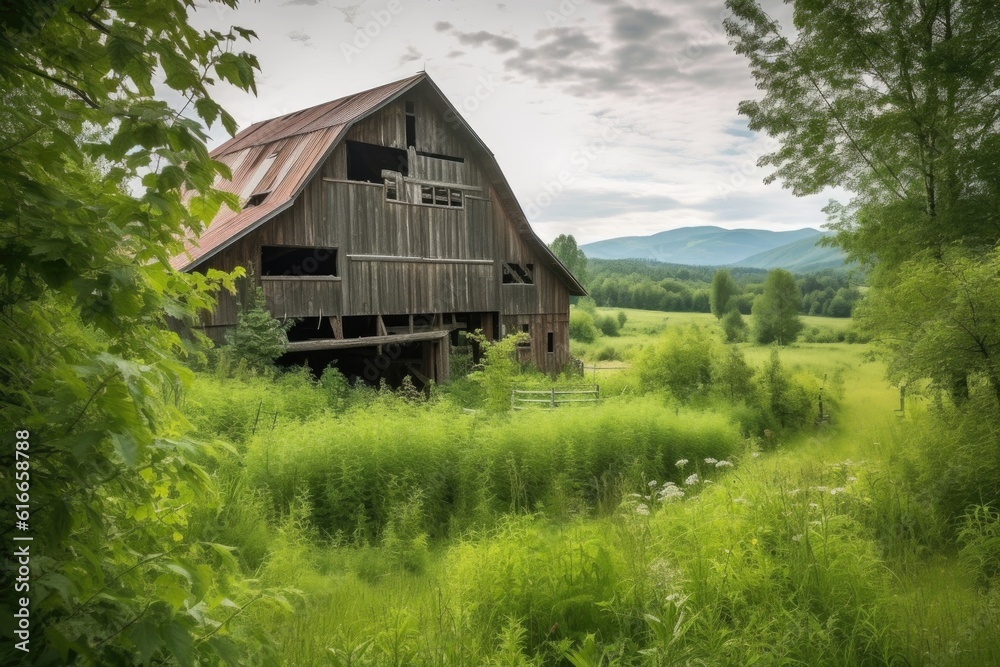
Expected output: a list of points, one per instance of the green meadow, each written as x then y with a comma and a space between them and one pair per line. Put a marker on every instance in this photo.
676, 523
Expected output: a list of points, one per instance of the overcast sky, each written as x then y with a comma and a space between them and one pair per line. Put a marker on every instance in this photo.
608, 117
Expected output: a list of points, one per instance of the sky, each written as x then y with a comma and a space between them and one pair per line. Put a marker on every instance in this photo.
608, 117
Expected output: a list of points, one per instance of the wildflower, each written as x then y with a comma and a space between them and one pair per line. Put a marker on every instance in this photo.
794, 492
652, 483
814, 506
740, 500
680, 464
670, 492
821, 489
692, 480
755, 454
710, 461
796, 538
723, 464
852, 479
642, 509
754, 541
836, 490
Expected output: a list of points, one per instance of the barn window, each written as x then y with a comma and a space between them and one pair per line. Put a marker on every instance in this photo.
391, 190
517, 274
365, 162
293, 261
436, 195
551, 347
525, 329
411, 125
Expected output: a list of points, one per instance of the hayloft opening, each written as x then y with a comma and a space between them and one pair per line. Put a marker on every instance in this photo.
365, 162
296, 261
516, 274
256, 199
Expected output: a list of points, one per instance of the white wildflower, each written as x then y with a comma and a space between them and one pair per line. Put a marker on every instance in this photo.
652, 483
755, 454
724, 464
680, 464
691, 480
821, 489
710, 461
670, 491
836, 490
740, 500
852, 479
814, 506
796, 538
642, 509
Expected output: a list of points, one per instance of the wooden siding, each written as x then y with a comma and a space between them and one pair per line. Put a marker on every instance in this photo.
403, 258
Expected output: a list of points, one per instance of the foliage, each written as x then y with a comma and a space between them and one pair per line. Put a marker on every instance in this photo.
497, 371
896, 104
775, 312
89, 365
722, 290
581, 326
565, 248
608, 325
649, 285
734, 327
940, 323
259, 338
733, 376
680, 361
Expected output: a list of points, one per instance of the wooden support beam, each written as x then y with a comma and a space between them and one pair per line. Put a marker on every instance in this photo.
380, 326
337, 325
411, 323
367, 341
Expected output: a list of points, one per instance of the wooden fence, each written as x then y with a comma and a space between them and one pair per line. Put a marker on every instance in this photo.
549, 399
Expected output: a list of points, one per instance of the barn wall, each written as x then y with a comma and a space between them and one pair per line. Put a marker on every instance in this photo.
406, 258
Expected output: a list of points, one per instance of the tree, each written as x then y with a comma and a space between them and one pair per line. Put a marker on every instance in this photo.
722, 290
565, 248
90, 373
941, 322
776, 311
258, 338
734, 327
897, 103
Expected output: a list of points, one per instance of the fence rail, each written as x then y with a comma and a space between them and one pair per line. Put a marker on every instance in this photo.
523, 399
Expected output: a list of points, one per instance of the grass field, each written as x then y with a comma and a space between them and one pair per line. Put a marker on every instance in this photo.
804, 549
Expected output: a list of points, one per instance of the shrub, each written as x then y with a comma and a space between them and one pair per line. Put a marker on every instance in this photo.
608, 325
258, 338
622, 318
734, 327
581, 326
609, 353
680, 361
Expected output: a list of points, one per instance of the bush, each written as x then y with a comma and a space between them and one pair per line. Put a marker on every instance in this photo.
734, 327
681, 361
609, 353
258, 338
622, 318
608, 325
581, 326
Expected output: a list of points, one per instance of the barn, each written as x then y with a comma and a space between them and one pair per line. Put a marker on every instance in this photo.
383, 226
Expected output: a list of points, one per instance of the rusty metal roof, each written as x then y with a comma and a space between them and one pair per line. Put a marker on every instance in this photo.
280, 156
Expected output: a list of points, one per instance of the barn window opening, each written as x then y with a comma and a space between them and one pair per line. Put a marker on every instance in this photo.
515, 274
551, 345
292, 261
391, 190
441, 196
365, 162
411, 125
256, 199
525, 329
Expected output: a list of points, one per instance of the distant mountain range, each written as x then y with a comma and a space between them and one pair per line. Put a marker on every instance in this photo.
795, 250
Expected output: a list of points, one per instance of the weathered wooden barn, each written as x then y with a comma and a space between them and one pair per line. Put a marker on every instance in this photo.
384, 227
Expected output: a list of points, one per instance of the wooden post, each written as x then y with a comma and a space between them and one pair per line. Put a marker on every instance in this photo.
380, 326
552, 399
337, 326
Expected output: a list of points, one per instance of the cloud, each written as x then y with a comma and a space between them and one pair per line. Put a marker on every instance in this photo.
443, 26
455, 53
499, 43
301, 37
410, 55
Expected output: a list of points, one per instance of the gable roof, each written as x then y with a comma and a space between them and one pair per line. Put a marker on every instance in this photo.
280, 156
